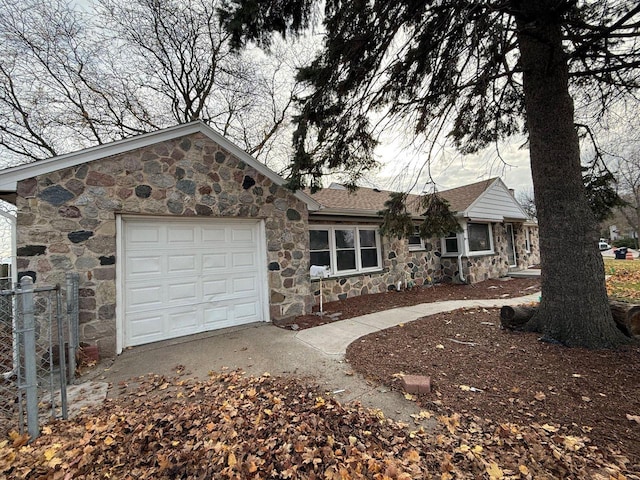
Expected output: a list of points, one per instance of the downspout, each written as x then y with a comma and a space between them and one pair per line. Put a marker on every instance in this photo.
462, 250
462, 279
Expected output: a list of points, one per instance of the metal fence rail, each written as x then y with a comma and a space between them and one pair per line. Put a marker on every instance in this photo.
36, 338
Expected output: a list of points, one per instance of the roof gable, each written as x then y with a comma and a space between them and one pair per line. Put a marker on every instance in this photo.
488, 199
495, 203
10, 176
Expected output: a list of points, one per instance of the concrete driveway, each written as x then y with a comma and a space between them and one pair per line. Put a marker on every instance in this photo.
316, 353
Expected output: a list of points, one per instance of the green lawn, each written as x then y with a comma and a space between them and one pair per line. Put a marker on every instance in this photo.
623, 279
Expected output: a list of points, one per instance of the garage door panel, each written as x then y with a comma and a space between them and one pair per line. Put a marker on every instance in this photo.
214, 287
247, 311
182, 321
145, 328
144, 265
214, 261
183, 292
244, 285
243, 259
147, 297
144, 235
182, 264
181, 235
213, 234
239, 235
214, 316
188, 276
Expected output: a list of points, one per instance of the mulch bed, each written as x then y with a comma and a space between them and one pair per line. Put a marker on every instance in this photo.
364, 304
477, 368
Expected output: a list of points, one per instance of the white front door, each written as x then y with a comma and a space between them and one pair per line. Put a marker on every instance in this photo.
185, 276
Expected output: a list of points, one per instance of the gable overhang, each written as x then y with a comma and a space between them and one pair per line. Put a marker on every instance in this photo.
469, 215
10, 177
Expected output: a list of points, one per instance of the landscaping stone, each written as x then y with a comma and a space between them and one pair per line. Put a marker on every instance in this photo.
416, 384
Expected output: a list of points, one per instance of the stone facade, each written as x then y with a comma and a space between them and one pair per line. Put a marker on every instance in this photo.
482, 267
399, 264
67, 221
417, 267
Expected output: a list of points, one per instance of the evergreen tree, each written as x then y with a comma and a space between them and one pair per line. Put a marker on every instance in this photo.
481, 71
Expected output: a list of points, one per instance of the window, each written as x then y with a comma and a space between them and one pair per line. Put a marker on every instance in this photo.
319, 247
415, 241
450, 244
479, 236
527, 239
345, 249
477, 241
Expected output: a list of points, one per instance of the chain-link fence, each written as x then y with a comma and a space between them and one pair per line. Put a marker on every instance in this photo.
37, 338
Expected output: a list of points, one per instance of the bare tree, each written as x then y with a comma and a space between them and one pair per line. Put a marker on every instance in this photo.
528, 202
71, 78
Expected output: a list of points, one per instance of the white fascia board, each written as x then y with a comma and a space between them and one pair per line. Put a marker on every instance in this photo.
11, 176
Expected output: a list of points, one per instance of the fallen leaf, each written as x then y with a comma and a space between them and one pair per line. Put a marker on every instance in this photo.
540, 396
549, 428
451, 422
440, 346
585, 399
494, 471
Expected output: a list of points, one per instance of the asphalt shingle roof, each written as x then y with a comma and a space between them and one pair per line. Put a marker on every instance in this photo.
372, 200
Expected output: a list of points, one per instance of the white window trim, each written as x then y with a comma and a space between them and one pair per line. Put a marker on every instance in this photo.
443, 246
463, 242
490, 251
416, 248
333, 272
527, 239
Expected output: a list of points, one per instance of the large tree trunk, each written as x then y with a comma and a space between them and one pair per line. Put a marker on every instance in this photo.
574, 309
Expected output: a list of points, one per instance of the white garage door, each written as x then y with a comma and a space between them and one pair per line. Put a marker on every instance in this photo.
187, 276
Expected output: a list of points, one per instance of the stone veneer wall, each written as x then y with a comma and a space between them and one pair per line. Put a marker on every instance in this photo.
66, 221
482, 267
399, 264
527, 258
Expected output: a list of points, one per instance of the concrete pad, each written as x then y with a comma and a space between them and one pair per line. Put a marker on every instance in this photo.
84, 395
316, 353
256, 349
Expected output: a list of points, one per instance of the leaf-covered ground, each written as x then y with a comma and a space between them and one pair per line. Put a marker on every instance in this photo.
510, 377
231, 426
623, 279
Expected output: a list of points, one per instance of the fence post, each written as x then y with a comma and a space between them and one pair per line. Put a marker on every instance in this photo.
30, 373
72, 280
61, 354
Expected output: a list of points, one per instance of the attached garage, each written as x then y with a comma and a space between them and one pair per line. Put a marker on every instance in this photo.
173, 232
184, 276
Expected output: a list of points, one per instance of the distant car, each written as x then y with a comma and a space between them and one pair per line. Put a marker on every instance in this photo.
603, 245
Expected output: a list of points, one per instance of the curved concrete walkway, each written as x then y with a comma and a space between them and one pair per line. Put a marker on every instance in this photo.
334, 338
316, 353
